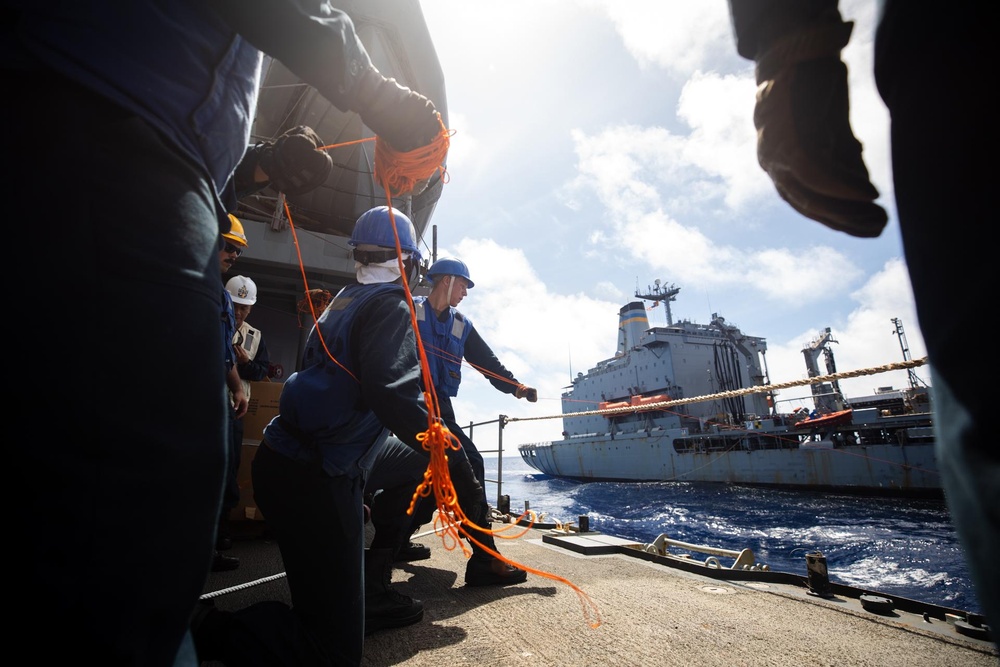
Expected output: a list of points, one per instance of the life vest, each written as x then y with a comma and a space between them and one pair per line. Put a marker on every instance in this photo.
444, 342
322, 417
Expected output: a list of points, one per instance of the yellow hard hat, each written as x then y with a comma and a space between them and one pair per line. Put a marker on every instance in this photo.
236, 233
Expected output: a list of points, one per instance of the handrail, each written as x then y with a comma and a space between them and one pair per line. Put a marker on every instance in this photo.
502, 420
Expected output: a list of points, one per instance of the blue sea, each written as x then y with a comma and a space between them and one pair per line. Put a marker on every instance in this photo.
902, 547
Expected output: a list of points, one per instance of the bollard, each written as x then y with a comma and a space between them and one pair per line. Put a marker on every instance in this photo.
584, 522
819, 580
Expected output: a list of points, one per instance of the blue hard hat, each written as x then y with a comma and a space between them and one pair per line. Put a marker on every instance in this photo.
450, 266
374, 227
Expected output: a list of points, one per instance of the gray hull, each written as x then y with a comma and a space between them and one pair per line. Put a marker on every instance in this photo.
877, 469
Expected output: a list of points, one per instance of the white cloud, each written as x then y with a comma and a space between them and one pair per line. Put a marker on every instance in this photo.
676, 35
603, 143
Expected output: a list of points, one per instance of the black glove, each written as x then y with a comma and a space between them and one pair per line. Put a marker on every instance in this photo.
804, 137
524, 391
294, 162
404, 118
471, 497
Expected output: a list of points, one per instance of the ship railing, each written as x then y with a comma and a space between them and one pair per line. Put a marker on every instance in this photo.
502, 501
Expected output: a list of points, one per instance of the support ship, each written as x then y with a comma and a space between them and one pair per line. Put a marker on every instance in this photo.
646, 430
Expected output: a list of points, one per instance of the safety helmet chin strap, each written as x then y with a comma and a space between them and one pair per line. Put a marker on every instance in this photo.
451, 286
412, 266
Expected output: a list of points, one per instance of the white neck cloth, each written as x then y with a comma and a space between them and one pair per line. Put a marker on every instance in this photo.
384, 272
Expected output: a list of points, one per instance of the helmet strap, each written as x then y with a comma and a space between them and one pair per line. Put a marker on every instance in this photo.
451, 287
412, 267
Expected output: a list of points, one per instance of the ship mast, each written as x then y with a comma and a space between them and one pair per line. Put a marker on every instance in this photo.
659, 293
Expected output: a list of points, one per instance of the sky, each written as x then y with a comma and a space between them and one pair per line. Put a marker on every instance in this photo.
600, 145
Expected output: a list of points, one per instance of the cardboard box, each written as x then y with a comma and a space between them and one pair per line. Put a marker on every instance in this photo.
247, 509
263, 408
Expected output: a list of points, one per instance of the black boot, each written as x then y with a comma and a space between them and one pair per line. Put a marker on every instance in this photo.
224, 563
483, 569
223, 535
384, 606
412, 551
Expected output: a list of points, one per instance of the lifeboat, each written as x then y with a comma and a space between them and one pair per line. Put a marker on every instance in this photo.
609, 405
639, 403
829, 419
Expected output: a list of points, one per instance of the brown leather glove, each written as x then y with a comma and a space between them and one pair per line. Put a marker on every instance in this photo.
403, 117
804, 137
294, 162
524, 391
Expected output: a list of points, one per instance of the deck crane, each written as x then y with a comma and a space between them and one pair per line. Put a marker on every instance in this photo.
914, 382
826, 395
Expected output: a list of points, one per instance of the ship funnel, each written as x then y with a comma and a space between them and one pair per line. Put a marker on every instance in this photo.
632, 323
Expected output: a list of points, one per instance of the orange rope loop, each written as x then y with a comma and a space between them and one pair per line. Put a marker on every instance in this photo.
315, 300
399, 173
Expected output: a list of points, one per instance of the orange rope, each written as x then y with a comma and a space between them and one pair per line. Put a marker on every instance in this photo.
317, 299
312, 305
400, 173
444, 354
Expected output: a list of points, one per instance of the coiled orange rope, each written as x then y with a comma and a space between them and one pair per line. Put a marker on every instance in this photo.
315, 300
400, 173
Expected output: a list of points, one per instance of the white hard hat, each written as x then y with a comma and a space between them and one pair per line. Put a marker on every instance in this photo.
243, 290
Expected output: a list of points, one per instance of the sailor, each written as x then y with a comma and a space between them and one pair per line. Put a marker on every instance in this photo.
448, 337
233, 243
252, 363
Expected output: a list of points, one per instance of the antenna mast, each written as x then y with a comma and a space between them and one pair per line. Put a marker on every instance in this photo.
660, 293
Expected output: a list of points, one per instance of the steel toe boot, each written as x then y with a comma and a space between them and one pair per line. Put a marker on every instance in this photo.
386, 607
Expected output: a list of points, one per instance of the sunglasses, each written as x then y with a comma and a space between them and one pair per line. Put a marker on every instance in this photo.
232, 248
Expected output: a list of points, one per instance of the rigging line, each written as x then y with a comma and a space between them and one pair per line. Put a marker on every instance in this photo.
440, 353
760, 389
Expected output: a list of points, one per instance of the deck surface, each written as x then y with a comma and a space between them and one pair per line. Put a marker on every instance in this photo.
650, 614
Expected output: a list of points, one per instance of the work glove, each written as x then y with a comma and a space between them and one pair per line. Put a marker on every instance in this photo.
404, 118
524, 391
294, 162
471, 496
804, 137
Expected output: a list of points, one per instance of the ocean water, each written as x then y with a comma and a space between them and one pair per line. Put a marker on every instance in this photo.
898, 547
